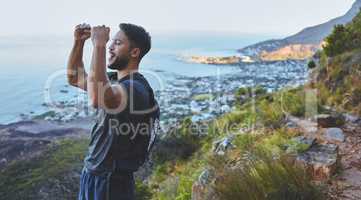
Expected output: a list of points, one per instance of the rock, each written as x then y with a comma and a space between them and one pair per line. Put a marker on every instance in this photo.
198, 191
201, 189
220, 147
35, 127
308, 127
300, 144
333, 135
225, 109
320, 161
205, 177
351, 118
304, 140
327, 121
3, 161
290, 124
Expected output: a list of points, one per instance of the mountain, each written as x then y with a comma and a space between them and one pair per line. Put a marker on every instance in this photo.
311, 37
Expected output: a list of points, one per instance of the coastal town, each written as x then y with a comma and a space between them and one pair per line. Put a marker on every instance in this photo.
201, 98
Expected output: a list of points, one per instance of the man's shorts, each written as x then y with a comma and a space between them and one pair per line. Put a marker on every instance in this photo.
106, 186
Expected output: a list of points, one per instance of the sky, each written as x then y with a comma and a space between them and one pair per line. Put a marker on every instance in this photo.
282, 17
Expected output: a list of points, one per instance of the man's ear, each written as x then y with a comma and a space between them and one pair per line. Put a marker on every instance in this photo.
135, 53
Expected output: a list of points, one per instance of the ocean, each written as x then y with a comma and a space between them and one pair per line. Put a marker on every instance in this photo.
33, 68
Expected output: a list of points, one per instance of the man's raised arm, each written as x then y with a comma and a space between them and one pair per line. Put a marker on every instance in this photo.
75, 70
100, 90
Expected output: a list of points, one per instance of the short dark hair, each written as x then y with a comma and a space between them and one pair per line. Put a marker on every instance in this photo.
138, 37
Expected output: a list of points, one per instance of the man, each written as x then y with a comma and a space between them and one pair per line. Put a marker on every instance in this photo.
127, 110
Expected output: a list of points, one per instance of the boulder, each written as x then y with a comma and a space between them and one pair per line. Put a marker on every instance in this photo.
291, 124
220, 147
333, 135
309, 128
201, 189
320, 161
300, 144
205, 177
328, 120
198, 191
351, 118
304, 140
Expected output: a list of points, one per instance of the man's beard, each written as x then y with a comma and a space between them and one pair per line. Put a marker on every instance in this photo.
120, 63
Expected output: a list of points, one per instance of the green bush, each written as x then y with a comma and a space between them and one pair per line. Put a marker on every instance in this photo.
143, 192
311, 64
338, 42
259, 90
270, 114
262, 176
344, 38
180, 143
339, 82
249, 92
242, 91
175, 180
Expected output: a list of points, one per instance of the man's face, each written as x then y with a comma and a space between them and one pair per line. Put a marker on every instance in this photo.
119, 52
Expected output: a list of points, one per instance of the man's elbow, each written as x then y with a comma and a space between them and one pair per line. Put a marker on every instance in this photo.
72, 81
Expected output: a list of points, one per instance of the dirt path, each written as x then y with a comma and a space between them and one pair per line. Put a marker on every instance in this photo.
347, 184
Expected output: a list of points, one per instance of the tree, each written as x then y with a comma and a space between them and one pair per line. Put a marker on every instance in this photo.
344, 38
337, 42
311, 64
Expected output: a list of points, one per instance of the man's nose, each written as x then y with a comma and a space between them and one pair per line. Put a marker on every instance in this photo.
111, 46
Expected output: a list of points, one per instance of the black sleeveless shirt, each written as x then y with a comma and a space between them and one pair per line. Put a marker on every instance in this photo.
121, 141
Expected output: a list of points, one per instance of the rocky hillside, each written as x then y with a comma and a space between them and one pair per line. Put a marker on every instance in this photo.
338, 72
25, 140
337, 80
43, 160
309, 36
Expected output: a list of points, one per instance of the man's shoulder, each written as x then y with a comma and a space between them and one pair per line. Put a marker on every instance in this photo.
136, 82
139, 92
135, 86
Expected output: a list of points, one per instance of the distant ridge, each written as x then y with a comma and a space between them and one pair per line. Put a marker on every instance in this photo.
309, 36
